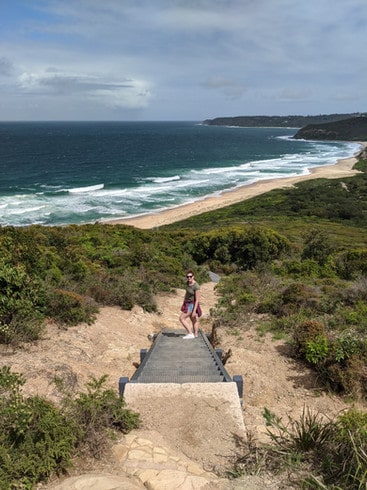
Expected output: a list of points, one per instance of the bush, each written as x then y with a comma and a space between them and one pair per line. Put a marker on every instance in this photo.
316, 350
306, 332
347, 376
344, 457
310, 432
340, 360
317, 246
95, 412
352, 263
69, 308
346, 346
298, 295
247, 247
37, 445
55, 272
354, 316
20, 330
22, 303
298, 269
37, 438
287, 324
334, 451
111, 289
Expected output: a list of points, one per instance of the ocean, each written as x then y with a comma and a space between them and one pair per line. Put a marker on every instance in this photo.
58, 173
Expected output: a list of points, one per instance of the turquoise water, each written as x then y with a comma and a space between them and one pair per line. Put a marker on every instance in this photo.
56, 173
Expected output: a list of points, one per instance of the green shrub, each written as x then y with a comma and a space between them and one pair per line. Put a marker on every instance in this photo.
298, 269
40, 441
347, 376
20, 329
310, 432
353, 316
317, 246
352, 263
70, 308
316, 350
344, 458
270, 302
287, 324
247, 247
346, 346
22, 302
306, 332
112, 289
52, 271
298, 295
37, 438
334, 452
339, 359
131, 287
96, 411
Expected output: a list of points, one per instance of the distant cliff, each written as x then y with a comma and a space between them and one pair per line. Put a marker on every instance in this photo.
279, 121
352, 129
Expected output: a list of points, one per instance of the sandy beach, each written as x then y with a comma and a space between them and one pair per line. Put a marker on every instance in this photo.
342, 168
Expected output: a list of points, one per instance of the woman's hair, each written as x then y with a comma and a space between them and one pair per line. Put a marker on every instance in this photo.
190, 271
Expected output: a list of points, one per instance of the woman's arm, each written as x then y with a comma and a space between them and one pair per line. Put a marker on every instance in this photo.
197, 297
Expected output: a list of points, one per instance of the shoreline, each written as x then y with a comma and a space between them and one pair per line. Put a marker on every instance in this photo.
342, 168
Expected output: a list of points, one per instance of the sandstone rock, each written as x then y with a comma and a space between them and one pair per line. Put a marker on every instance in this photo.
99, 482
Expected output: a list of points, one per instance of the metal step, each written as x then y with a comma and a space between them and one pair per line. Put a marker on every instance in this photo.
180, 379
172, 359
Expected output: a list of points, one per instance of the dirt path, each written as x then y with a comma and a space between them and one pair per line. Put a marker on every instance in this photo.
112, 345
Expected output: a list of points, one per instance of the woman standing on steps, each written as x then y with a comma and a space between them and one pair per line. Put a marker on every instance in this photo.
190, 308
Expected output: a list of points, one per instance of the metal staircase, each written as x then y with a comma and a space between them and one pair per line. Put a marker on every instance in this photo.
171, 359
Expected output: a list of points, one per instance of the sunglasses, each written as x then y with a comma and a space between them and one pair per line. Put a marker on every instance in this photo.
189, 276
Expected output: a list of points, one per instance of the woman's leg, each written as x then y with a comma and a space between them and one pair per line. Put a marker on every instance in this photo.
195, 324
184, 322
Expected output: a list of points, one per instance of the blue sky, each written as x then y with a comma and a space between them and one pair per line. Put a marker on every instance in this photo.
180, 59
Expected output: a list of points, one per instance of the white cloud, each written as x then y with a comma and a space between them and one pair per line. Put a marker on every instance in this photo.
102, 89
197, 55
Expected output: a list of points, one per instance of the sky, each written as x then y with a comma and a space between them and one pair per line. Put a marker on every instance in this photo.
190, 60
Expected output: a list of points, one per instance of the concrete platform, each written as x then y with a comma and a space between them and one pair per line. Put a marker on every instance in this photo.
202, 420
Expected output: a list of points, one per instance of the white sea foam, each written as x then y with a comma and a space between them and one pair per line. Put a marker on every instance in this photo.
57, 204
111, 192
162, 180
89, 188
27, 210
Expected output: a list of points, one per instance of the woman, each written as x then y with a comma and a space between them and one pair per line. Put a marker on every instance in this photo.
190, 308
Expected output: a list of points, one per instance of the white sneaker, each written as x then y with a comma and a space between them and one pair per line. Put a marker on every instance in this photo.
189, 336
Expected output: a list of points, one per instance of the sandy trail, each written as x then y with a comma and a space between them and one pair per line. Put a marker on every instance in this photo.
112, 345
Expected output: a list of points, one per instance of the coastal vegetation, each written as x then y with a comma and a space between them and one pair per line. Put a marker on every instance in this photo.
290, 121
351, 129
295, 258
38, 438
342, 127
326, 454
